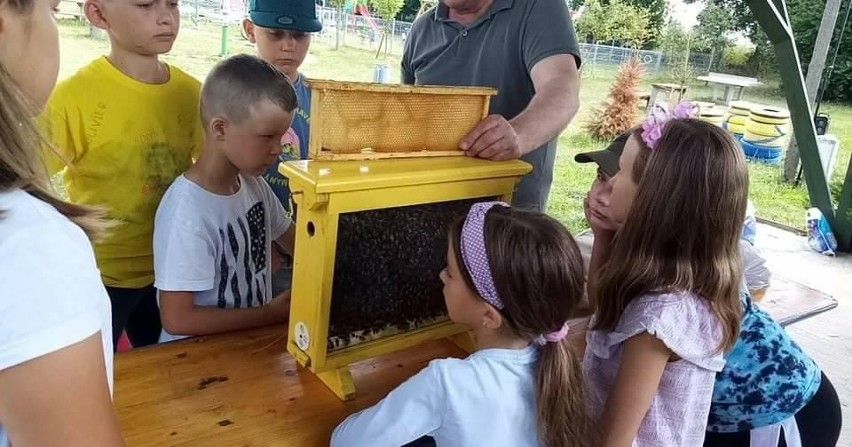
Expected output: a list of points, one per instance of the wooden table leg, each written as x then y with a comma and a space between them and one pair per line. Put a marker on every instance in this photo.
729, 94
740, 93
653, 99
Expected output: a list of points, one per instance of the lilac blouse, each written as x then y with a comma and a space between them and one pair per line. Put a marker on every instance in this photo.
684, 322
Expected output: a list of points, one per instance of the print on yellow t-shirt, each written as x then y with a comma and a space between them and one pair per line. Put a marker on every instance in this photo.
119, 143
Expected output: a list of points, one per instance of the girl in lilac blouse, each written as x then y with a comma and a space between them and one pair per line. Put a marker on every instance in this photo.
666, 286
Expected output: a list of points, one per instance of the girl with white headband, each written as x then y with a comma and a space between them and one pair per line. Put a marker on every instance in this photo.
515, 278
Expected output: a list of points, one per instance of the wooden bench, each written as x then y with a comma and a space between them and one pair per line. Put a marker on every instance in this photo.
668, 90
71, 8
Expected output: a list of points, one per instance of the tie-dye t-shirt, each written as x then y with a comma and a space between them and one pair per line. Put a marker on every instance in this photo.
294, 144
767, 377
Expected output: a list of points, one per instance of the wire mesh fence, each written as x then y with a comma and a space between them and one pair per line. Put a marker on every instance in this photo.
360, 29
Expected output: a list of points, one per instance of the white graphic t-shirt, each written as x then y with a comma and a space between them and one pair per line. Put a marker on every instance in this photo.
217, 246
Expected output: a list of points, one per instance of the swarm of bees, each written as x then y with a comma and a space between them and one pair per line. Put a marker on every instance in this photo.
386, 271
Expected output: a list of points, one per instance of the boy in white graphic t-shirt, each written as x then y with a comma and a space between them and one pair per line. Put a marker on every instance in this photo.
216, 224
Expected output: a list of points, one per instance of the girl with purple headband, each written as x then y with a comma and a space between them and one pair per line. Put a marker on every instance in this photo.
515, 278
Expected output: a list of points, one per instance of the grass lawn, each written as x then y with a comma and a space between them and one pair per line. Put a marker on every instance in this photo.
197, 50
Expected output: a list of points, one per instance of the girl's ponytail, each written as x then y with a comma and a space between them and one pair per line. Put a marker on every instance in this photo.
560, 401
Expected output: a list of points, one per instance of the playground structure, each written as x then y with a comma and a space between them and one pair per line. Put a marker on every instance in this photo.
355, 8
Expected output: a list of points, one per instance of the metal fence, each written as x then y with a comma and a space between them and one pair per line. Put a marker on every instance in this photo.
366, 32
655, 62
362, 31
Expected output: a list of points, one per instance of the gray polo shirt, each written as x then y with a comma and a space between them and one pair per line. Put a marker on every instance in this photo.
499, 50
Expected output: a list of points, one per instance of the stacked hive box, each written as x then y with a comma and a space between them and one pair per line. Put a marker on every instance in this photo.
767, 131
374, 206
736, 117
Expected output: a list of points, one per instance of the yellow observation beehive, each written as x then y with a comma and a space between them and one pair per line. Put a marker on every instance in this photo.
371, 239
362, 121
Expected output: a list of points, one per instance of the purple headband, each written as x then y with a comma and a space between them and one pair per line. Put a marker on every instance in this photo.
474, 255
652, 127
475, 259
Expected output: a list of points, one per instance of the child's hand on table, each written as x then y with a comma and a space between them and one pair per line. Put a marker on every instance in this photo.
280, 306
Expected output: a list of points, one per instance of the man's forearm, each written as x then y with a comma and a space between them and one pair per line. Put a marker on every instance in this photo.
548, 114
556, 101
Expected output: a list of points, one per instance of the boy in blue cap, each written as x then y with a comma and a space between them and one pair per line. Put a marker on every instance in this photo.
282, 32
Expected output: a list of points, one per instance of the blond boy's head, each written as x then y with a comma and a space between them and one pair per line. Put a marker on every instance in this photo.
247, 106
143, 27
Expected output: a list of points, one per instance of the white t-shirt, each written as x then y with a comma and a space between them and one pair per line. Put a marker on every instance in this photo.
51, 294
487, 399
218, 247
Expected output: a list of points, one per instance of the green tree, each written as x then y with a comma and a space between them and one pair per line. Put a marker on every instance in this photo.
387, 10
657, 11
340, 25
629, 24
409, 10
711, 35
594, 22
674, 40
805, 16
615, 21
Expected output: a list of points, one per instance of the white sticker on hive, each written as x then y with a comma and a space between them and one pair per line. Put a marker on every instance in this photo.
303, 339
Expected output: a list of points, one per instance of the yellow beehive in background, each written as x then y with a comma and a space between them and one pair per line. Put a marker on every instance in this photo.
712, 115
767, 127
371, 234
736, 117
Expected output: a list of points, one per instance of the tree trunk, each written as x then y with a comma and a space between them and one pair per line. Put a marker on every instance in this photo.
339, 21
812, 80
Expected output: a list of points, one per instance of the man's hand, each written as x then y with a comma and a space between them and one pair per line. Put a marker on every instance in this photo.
493, 138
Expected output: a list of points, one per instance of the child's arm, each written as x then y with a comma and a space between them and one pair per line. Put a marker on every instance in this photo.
287, 241
409, 412
643, 361
180, 315
60, 398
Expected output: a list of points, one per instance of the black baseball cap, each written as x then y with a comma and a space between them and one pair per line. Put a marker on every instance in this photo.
298, 15
606, 159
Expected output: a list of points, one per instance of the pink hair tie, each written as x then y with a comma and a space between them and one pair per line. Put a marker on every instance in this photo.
554, 337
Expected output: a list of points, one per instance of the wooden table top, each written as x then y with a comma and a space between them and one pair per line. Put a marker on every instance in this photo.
244, 389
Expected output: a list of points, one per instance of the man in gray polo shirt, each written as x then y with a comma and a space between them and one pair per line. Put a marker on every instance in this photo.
528, 51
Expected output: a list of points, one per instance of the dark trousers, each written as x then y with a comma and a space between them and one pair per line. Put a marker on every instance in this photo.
425, 441
135, 311
819, 423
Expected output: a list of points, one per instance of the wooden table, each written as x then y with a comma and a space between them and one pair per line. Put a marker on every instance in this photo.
243, 389
734, 85
668, 90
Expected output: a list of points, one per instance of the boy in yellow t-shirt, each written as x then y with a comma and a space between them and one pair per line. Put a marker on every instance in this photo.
123, 128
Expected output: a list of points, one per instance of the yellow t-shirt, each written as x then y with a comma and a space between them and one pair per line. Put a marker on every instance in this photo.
121, 143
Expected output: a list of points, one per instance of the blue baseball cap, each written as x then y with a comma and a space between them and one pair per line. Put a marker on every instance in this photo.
298, 15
